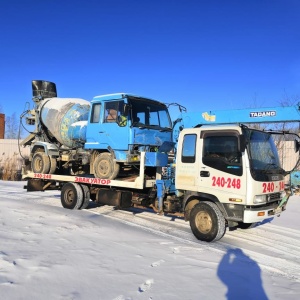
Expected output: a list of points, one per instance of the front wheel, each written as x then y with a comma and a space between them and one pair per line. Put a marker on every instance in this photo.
105, 167
207, 222
72, 196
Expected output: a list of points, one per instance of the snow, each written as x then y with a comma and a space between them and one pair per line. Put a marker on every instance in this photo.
48, 252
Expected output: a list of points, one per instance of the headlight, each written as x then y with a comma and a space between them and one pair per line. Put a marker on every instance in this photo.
260, 199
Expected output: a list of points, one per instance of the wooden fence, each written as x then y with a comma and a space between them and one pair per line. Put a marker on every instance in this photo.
11, 159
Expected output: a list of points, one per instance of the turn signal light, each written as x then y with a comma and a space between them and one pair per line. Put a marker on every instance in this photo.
261, 214
235, 200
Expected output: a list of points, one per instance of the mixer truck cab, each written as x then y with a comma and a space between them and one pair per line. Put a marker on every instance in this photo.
120, 127
103, 137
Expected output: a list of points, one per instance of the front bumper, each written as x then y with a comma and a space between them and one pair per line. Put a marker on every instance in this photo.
258, 215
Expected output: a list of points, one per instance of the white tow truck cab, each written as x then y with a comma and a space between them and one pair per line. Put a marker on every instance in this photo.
228, 175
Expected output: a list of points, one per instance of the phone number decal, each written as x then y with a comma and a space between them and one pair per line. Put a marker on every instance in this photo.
269, 187
226, 182
42, 176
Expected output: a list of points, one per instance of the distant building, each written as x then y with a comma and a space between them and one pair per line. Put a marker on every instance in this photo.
2, 126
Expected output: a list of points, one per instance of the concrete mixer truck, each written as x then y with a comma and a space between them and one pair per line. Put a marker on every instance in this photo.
104, 137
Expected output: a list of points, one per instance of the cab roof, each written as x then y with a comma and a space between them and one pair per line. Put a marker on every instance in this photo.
118, 96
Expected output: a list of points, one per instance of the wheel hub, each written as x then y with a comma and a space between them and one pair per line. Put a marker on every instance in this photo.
203, 222
104, 167
69, 196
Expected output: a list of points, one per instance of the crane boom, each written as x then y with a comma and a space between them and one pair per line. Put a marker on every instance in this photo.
244, 116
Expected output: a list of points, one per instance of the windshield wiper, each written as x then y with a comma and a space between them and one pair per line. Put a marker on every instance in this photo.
272, 168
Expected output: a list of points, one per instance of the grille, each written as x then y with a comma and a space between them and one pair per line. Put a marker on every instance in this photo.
274, 197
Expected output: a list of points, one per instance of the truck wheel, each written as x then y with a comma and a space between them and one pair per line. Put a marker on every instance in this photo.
40, 163
105, 167
207, 222
71, 195
53, 165
86, 197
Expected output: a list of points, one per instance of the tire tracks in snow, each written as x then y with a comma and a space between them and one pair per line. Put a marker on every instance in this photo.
275, 248
278, 252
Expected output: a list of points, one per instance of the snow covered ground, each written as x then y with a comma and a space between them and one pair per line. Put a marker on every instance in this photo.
48, 252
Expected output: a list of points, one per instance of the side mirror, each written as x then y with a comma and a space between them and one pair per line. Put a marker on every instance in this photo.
296, 146
122, 121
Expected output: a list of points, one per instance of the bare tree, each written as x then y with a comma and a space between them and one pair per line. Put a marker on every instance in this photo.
11, 127
291, 127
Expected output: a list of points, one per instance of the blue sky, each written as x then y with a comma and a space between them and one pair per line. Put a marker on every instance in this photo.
204, 55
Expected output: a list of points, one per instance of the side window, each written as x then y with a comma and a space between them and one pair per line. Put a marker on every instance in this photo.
111, 112
95, 118
140, 118
189, 148
114, 113
154, 118
221, 152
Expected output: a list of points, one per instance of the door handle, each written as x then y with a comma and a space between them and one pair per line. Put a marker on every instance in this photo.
204, 174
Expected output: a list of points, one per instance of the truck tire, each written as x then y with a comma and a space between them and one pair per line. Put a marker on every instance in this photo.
207, 222
53, 165
71, 196
86, 196
40, 163
105, 167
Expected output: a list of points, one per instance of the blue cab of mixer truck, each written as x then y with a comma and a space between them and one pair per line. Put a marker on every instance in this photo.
121, 126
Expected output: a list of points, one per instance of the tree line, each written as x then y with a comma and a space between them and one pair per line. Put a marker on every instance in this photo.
11, 125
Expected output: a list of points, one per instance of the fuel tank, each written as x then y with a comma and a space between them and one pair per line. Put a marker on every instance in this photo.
58, 115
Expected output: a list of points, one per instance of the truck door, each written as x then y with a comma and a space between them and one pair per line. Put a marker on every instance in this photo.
108, 126
209, 162
221, 165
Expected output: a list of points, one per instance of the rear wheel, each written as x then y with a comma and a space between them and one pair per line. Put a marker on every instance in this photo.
71, 196
53, 165
207, 222
86, 197
105, 167
40, 163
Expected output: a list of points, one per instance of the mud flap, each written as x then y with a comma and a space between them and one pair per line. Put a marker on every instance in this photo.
34, 185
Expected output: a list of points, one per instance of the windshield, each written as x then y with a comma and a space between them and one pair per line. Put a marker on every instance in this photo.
149, 113
263, 153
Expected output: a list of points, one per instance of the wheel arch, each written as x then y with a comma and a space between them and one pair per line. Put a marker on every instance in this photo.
48, 148
193, 198
38, 148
